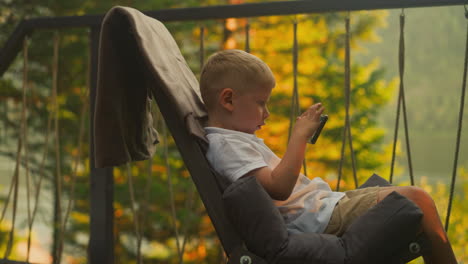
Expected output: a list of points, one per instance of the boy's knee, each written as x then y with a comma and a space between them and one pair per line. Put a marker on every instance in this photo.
417, 194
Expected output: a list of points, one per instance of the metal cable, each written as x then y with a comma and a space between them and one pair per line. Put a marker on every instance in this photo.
395, 139
202, 46
7, 200
347, 125
171, 191
185, 228
353, 157
401, 105
295, 108
134, 211
26, 150
402, 94
397, 116
459, 130
71, 198
5, 122
149, 181
294, 99
39, 182
16, 179
340, 167
348, 97
58, 175
247, 36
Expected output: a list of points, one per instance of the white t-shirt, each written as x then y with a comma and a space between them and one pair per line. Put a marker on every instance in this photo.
233, 154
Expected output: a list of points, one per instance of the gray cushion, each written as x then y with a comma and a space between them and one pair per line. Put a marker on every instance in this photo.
255, 217
379, 233
375, 237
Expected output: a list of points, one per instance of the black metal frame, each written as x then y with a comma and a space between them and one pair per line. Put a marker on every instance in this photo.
7, 261
101, 246
26, 27
100, 249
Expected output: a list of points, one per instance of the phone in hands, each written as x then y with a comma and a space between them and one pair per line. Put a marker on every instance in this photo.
323, 120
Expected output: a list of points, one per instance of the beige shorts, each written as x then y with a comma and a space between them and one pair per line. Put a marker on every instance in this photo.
354, 204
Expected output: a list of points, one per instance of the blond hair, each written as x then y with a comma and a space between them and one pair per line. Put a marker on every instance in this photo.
235, 69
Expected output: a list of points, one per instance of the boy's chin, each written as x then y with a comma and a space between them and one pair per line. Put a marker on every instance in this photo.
252, 131
249, 130
258, 128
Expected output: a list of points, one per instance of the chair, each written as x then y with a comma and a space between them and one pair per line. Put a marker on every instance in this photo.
139, 61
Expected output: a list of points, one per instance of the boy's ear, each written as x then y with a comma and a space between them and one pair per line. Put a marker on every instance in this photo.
225, 98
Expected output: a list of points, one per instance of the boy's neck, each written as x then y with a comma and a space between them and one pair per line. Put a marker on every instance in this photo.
217, 120
216, 123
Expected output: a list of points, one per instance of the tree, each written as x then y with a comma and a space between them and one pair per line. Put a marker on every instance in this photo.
320, 78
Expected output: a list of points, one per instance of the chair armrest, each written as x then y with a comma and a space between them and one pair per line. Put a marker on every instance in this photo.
375, 180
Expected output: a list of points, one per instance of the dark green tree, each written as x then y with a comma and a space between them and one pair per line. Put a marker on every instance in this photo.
320, 77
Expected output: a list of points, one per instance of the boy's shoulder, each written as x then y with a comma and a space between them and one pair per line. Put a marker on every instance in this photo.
226, 136
219, 139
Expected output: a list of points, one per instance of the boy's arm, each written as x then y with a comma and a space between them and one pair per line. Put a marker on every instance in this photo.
280, 181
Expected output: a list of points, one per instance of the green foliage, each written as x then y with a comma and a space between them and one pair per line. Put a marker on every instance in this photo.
320, 78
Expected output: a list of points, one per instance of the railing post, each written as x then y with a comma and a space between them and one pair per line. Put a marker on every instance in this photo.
101, 239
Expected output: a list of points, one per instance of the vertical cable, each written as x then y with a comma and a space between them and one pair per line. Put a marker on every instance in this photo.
77, 161
189, 202
247, 36
401, 104
38, 184
348, 97
293, 112
10, 191
26, 152
395, 139
347, 125
397, 116
5, 121
459, 131
134, 211
58, 173
149, 180
295, 96
340, 167
202, 46
171, 190
15, 180
403, 100
295, 108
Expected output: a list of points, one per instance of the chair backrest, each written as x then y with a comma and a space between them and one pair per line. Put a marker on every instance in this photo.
140, 60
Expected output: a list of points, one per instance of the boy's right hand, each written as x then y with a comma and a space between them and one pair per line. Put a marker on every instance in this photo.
280, 182
308, 122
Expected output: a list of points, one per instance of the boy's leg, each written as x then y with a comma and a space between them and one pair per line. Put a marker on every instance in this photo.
354, 204
441, 251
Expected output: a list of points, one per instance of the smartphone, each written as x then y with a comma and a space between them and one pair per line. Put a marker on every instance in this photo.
323, 120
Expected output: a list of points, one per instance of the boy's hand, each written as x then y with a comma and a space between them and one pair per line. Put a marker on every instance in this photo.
280, 182
308, 122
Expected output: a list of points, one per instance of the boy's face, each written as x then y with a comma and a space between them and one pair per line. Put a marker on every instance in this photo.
250, 109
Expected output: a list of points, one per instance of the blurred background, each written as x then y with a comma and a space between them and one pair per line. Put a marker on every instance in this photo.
165, 202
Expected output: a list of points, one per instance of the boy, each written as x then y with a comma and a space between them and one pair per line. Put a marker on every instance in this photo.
235, 88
